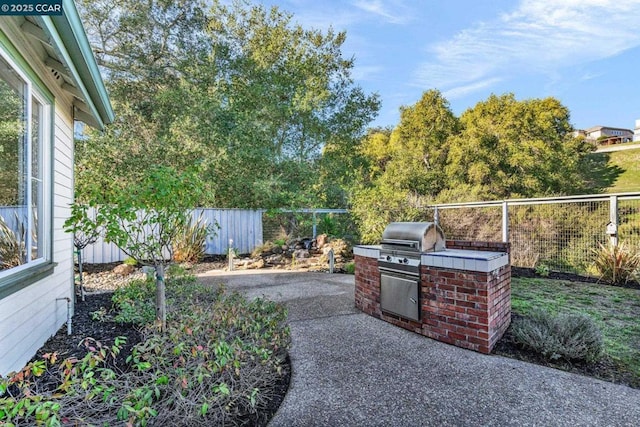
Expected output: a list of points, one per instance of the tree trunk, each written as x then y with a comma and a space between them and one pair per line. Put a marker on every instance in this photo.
161, 302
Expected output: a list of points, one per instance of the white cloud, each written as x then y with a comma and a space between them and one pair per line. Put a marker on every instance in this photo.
460, 91
539, 36
394, 11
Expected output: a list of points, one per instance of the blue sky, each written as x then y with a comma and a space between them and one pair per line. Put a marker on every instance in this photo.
586, 53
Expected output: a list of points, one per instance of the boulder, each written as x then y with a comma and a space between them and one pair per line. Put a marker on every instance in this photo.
321, 240
259, 263
301, 254
124, 269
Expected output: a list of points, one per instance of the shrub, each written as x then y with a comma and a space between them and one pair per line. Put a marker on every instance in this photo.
264, 248
219, 361
134, 303
350, 267
190, 244
616, 264
566, 336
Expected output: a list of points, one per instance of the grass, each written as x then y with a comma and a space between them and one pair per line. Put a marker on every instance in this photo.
615, 172
616, 311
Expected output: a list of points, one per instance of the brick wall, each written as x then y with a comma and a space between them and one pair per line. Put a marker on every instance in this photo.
367, 294
468, 309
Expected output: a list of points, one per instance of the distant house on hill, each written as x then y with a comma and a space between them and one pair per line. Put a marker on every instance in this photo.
608, 135
636, 133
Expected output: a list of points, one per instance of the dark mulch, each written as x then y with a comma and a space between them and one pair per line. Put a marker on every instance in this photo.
105, 331
84, 326
605, 369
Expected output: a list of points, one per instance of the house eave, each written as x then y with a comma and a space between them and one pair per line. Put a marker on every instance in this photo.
72, 46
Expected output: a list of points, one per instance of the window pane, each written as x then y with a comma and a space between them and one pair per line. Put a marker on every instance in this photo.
13, 188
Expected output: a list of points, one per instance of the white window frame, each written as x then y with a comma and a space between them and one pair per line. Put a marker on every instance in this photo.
46, 142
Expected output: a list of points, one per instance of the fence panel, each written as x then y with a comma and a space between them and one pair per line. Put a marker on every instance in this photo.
472, 223
561, 233
244, 227
561, 236
629, 222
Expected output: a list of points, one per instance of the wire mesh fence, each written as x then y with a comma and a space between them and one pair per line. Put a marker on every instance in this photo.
286, 224
559, 234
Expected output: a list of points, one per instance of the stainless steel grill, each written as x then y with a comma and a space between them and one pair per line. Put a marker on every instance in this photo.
399, 264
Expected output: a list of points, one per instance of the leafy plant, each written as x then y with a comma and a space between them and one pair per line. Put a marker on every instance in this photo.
565, 336
189, 245
542, 270
616, 264
130, 261
350, 267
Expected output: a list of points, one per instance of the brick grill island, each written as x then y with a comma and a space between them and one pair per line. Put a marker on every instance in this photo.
464, 293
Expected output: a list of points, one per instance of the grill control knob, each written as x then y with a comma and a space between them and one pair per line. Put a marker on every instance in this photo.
388, 257
406, 261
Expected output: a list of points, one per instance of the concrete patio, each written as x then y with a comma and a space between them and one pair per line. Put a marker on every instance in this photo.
350, 369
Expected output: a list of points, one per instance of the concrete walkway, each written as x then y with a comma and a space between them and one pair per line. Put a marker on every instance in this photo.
350, 369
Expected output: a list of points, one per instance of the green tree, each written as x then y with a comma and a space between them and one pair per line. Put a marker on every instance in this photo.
510, 148
239, 87
420, 145
405, 167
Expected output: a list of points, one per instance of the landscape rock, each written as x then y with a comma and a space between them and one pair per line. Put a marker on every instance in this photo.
321, 240
124, 269
257, 264
301, 254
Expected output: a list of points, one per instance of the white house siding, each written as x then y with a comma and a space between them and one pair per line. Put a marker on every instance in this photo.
32, 315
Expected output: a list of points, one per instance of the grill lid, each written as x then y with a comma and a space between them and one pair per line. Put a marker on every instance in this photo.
414, 236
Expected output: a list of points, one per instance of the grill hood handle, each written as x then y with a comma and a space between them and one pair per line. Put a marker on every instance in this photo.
404, 243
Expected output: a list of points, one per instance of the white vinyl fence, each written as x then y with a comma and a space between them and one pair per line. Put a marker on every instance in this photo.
242, 226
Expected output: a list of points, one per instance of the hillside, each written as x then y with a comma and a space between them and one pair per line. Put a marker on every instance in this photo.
615, 172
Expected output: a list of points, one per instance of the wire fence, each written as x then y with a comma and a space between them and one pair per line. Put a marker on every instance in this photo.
561, 234
283, 224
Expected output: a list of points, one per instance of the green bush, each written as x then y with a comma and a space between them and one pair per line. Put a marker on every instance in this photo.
616, 264
190, 244
135, 302
350, 267
566, 336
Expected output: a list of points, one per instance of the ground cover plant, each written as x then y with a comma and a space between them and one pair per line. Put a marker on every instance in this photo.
221, 361
614, 310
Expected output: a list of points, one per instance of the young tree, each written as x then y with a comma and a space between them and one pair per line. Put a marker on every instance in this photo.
144, 218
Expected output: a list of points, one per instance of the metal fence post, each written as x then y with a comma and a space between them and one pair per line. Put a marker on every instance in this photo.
612, 227
436, 215
505, 222
314, 225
